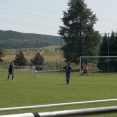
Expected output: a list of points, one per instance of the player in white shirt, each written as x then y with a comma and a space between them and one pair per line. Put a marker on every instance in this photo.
35, 71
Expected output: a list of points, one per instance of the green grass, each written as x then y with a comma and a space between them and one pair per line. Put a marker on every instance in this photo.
51, 88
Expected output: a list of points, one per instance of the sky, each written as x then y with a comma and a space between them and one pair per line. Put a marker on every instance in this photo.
44, 16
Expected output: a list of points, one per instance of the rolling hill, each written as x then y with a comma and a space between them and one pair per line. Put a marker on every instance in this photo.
17, 40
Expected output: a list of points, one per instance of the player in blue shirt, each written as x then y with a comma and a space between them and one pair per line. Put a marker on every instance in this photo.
10, 70
68, 69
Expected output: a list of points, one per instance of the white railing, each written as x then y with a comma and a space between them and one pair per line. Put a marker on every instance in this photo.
68, 113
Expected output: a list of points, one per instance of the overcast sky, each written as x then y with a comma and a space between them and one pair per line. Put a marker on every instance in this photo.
43, 16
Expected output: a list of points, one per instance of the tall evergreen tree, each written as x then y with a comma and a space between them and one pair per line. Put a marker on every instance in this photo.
103, 49
20, 60
108, 45
37, 59
115, 46
112, 45
78, 32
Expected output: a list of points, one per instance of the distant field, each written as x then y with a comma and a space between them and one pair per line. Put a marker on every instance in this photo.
50, 58
51, 47
50, 88
50, 53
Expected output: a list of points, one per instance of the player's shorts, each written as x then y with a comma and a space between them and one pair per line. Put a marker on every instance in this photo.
67, 75
10, 72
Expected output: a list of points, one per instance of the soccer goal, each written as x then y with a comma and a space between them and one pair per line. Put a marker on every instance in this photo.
99, 64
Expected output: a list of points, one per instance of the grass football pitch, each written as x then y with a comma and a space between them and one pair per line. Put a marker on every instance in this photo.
51, 88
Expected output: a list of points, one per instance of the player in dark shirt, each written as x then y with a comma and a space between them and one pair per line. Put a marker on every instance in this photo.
68, 69
10, 70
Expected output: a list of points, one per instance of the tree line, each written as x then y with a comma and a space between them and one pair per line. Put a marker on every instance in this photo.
108, 47
18, 40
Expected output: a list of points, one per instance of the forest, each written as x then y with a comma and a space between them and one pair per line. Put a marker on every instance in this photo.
17, 40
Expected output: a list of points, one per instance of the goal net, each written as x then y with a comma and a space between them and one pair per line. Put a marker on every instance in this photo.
99, 64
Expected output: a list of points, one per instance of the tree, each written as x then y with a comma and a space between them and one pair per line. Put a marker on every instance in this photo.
1, 55
108, 45
103, 49
20, 60
37, 59
113, 44
78, 32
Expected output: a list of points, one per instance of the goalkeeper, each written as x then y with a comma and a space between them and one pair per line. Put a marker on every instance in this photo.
85, 71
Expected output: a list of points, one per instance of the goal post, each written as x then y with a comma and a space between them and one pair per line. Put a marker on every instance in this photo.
99, 64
